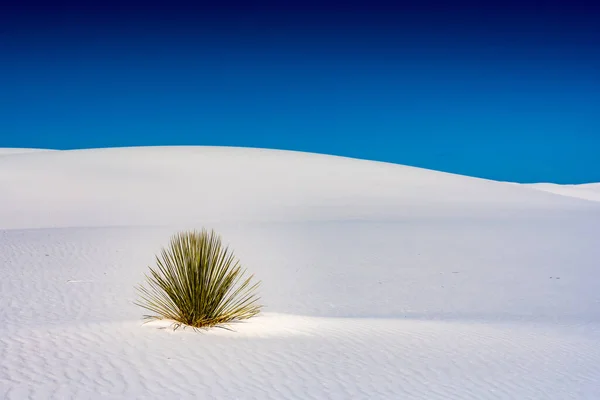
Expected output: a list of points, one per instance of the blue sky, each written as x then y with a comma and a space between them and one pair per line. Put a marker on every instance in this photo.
509, 94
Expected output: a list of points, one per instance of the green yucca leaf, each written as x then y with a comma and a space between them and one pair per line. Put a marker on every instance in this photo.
198, 282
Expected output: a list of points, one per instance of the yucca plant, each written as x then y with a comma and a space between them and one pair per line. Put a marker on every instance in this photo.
198, 282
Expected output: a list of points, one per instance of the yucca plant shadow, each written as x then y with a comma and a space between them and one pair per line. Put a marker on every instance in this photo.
198, 283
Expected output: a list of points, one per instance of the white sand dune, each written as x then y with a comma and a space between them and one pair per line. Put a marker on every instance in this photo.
7, 151
380, 281
588, 191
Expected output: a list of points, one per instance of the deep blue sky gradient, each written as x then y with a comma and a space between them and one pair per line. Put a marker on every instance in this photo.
509, 91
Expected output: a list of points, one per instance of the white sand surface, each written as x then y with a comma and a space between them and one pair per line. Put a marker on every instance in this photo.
7, 151
588, 191
379, 281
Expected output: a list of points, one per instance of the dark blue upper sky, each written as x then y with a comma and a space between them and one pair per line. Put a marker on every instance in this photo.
507, 91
